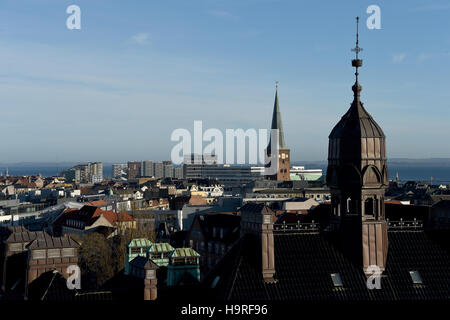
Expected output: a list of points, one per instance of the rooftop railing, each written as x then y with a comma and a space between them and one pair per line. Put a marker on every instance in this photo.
297, 227
404, 224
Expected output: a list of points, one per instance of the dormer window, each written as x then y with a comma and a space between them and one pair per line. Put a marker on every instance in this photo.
337, 280
415, 277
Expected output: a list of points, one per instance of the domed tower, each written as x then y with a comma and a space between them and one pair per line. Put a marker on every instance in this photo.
357, 177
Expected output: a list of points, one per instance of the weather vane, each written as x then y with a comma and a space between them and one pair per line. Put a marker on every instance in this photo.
357, 62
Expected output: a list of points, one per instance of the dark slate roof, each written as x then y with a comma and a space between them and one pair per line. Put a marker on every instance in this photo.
257, 208
304, 264
356, 122
442, 205
143, 263
23, 235
46, 241
229, 223
52, 286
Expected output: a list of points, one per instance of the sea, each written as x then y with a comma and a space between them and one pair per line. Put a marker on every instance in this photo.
440, 174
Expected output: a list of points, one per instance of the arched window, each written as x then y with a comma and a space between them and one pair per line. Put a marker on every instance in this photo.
349, 204
369, 207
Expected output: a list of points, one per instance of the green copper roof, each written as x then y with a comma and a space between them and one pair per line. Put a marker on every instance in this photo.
184, 252
160, 247
139, 243
277, 124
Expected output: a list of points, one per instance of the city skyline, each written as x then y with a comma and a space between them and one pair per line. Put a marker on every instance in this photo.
115, 91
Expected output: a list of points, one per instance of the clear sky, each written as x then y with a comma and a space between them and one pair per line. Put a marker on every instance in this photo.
116, 89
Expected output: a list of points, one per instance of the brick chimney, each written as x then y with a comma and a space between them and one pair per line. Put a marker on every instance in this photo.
257, 219
150, 282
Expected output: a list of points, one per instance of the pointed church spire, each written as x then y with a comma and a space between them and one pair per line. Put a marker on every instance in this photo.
276, 122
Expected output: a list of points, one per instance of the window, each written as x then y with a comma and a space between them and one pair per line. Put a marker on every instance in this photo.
14, 247
39, 254
54, 253
349, 203
67, 252
369, 207
415, 276
337, 281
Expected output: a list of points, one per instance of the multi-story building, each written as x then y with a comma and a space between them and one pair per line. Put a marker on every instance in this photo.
95, 172
72, 175
178, 173
158, 170
119, 171
168, 169
147, 168
91, 172
134, 170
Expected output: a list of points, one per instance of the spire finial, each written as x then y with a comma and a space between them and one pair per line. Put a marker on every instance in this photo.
276, 84
357, 62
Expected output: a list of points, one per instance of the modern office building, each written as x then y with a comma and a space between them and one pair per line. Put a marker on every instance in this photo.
120, 171
134, 169
168, 169
147, 169
158, 170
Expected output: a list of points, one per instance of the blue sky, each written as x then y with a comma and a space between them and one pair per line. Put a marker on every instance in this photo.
116, 89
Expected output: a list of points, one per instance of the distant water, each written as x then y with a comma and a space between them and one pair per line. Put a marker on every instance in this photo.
45, 171
440, 174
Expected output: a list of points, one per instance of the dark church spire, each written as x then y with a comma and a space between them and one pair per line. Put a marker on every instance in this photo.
276, 122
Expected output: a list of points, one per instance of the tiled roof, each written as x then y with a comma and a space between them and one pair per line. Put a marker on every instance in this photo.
23, 235
304, 264
97, 203
184, 252
139, 243
48, 242
160, 247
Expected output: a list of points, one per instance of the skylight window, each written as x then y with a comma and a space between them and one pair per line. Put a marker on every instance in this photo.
337, 280
214, 283
415, 276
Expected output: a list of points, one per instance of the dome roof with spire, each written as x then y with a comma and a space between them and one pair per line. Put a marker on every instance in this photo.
356, 122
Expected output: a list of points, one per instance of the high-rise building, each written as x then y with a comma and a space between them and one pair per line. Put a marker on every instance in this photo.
168, 169
147, 168
158, 170
72, 175
95, 172
282, 153
357, 176
178, 172
134, 170
120, 171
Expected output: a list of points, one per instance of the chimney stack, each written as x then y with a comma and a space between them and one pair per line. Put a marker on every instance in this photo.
257, 219
150, 282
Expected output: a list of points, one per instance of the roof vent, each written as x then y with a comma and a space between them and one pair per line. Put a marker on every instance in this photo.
337, 280
415, 276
